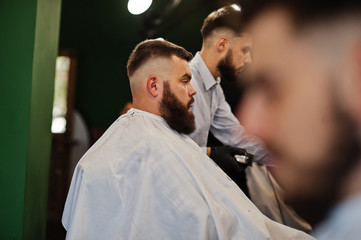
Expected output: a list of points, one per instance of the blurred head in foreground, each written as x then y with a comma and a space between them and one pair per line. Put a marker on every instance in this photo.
304, 99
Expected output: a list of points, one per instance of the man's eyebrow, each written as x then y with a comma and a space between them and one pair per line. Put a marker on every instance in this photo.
262, 80
254, 81
187, 76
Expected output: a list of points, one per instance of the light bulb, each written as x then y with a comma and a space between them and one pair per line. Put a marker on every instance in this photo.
137, 7
236, 7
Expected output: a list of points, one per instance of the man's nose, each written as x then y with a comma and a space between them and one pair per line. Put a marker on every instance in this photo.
191, 90
253, 117
248, 59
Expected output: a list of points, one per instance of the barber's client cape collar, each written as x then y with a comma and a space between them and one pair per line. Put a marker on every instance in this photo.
136, 111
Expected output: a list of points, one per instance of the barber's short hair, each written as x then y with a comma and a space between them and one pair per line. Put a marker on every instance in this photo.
303, 12
150, 49
226, 17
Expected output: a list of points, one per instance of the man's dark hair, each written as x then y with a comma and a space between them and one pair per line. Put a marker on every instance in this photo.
149, 49
302, 12
226, 17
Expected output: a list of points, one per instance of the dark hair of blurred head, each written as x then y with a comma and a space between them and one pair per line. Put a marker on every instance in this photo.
302, 12
150, 49
226, 17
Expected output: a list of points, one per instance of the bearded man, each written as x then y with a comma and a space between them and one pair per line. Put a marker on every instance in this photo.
145, 179
304, 102
226, 52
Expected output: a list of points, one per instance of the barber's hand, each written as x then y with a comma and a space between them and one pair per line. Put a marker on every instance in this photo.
224, 157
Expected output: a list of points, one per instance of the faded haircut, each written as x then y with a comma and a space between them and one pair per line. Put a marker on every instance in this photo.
150, 49
226, 17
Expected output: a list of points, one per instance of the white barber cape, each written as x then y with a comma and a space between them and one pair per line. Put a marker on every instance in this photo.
143, 180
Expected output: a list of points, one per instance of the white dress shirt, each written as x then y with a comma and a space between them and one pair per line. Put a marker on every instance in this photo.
213, 113
143, 180
343, 222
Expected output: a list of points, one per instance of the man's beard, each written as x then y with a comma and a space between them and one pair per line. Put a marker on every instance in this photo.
343, 156
226, 68
175, 113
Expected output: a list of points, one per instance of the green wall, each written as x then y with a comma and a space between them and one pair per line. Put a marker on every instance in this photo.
104, 34
28, 48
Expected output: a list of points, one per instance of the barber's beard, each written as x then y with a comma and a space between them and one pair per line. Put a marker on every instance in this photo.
343, 156
226, 68
175, 113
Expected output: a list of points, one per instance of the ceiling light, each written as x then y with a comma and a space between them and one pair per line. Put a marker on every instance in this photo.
136, 7
236, 7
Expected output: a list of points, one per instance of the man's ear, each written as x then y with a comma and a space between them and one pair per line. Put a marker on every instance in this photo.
352, 85
358, 59
153, 85
222, 44
357, 67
